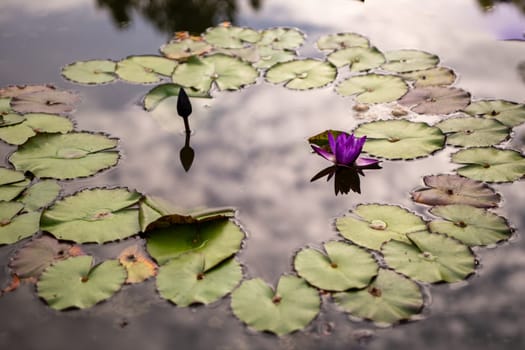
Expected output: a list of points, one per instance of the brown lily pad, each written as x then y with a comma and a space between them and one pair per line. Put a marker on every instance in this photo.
17, 90
138, 264
436, 100
46, 101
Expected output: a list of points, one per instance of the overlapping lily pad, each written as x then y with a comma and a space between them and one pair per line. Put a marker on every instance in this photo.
138, 264
341, 41
430, 257
490, 164
94, 215
145, 69
436, 100
12, 183
291, 307
370, 225
358, 58
431, 77
473, 131
373, 88
5, 106
231, 37
163, 91
390, 298
302, 74
40, 194
184, 281
447, 189
506, 112
47, 101
90, 72
16, 224
344, 267
261, 57
66, 156
10, 119
33, 124
470, 225
76, 283
400, 139
185, 48
401, 61
281, 38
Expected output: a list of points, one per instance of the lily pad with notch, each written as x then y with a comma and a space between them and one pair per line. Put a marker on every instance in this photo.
138, 264
261, 57
16, 224
400, 139
292, 306
90, 72
357, 58
231, 36
436, 100
401, 61
12, 183
373, 88
506, 112
438, 76
145, 69
340, 41
163, 91
473, 131
302, 74
50, 101
33, 124
371, 225
280, 38
185, 48
40, 195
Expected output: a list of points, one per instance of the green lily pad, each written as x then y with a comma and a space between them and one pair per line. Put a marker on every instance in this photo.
66, 156
93, 215
145, 69
5, 106
341, 41
490, 164
473, 131
508, 113
390, 298
11, 119
447, 189
470, 225
282, 38
184, 281
185, 48
161, 92
291, 307
38, 254
344, 267
430, 257
48, 101
401, 61
15, 224
76, 283
373, 88
358, 58
12, 183
437, 76
371, 225
231, 37
33, 124
90, 72
227, 73
40, 195
216, 240
302, 74
138, 264
436, 100
400, 139
261, 57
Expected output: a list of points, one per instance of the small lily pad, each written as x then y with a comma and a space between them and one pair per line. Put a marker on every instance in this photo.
436, 100
145, 69
373, 88
49, 101
282, 38
390, 298
40, 194
370, 225
93, 215
470, 225
508, 113
358, 58
291, 307
302, 74
447, 189
33, 124
438, 76
490, 164
344, 267
184, 281
430, 257
231, 37
341, 41
76, 283
15, 224
161, 92
90, 72
185, 48
473, 131
401, 61
400, 139
137, 263
12, 183
66, 156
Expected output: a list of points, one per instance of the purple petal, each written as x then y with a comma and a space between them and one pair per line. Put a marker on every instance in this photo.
325, 154
366, 162
331, 142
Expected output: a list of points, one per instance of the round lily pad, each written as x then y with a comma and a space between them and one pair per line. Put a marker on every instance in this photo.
344, 267
76, 283
430, 257
400, 139
470, 225
93, 215
370, 225
40, 194
145, 69
473, 131
66, 156
231, 36
390, 298
138, 264
33, 124
358, 58
15, 224
12, 183
508, 113
185, 48
184, 281
302, 74
447, 189
282, 38
291, 307
48, 101
401, 61
437, 76
161, 92
373, 88
227, 73
436, 100
341, 41
90, 72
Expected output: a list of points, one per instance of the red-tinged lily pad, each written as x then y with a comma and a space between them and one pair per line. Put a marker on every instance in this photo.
137, 263
12, 183
341, 41
15, 224
448, 189
436, 100
49, 101
506, 112
17, 90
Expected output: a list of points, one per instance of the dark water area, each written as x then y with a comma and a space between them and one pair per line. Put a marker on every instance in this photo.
252, 153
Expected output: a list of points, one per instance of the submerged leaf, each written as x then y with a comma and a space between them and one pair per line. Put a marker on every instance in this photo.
161, 92
431, 77
35, 123
373, 88
302, 74
145, 69
90, 72
281, 38
358, 58
137, 263
473, 131
49, 101
401, 61
436, 100
15, 224
508, 113
341, 41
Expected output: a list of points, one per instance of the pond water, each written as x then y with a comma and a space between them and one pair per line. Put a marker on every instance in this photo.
252, 153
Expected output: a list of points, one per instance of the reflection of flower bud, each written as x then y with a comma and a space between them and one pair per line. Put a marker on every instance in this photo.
183, 104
